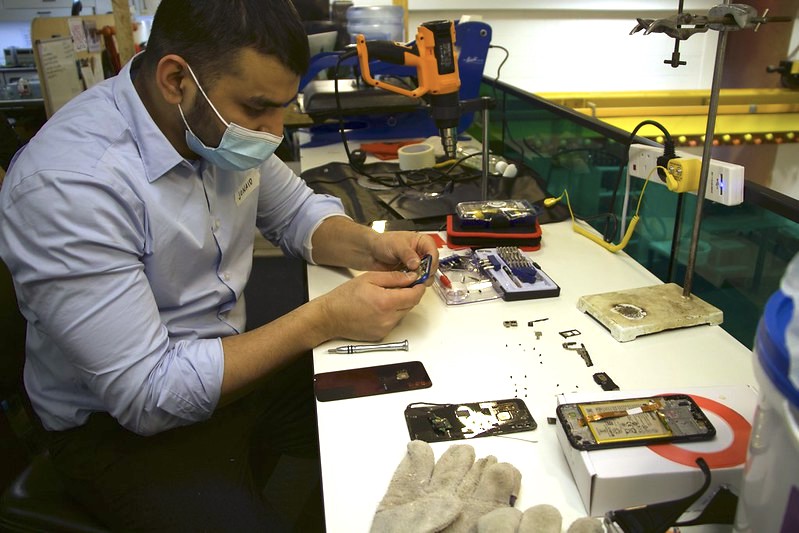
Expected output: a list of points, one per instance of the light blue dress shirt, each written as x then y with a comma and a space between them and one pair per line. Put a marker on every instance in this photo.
129, 261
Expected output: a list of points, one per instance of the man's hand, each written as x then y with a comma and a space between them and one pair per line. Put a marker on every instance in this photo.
339, 241
369, 306
402, 249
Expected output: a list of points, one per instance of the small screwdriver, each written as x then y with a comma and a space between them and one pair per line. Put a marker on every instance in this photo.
359, 348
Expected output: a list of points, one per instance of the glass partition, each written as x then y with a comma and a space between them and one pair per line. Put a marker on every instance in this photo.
742, 251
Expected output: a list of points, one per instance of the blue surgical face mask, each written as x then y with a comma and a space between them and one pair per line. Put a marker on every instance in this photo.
239, 149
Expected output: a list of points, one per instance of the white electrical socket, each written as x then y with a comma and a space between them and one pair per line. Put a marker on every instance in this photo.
725, 181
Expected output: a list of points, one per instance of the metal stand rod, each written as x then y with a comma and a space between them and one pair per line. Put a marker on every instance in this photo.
482, 105
675, 237
484, 181
706, 157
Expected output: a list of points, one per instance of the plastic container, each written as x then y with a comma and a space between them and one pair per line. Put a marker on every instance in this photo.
376, 23
769, 499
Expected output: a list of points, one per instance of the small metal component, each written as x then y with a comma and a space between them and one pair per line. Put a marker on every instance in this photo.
586, 357
569, 333
359, 348
580, 350
604, 381
538, 335
510, 323
530, 323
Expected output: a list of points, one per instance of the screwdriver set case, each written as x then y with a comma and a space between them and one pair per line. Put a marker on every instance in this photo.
514, 275
490, 273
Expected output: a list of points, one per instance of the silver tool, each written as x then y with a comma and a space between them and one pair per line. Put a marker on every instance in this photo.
358, 348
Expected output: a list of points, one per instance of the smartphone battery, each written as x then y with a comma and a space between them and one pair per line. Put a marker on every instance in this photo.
634, 421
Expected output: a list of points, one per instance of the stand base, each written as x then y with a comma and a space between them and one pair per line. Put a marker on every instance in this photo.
634, 312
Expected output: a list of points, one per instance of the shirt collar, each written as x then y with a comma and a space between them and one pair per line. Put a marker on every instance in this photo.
157, 153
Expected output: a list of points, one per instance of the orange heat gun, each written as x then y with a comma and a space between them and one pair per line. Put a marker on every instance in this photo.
433, 54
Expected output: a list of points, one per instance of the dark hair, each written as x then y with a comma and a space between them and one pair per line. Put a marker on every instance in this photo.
209, 34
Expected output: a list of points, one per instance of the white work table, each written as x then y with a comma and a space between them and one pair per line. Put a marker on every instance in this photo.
471, 356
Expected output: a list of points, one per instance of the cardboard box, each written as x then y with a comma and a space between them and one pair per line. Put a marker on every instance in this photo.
625, 477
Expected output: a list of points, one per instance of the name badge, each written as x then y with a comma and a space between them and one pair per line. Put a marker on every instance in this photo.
245, 189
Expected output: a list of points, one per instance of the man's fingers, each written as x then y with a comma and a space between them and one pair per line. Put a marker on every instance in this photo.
392, 280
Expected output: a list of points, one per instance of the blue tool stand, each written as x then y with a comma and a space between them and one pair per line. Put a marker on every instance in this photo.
472, 38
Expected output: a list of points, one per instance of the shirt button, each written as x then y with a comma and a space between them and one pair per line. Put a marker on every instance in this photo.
226, 276
217, 223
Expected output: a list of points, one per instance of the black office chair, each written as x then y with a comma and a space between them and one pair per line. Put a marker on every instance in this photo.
36, 499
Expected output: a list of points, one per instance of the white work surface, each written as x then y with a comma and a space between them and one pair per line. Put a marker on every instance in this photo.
471, 356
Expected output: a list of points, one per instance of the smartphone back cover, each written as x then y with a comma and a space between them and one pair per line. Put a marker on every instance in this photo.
369, 381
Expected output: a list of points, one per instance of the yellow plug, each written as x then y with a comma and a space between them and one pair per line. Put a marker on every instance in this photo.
549, 202
683, 174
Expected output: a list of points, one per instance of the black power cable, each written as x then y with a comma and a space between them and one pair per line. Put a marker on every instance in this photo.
662, 161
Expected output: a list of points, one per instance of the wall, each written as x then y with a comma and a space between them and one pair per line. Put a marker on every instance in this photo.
15, 34
580, 45
585, 46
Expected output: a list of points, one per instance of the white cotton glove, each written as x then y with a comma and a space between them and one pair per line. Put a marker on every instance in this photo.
488, 486
450, 495
537, 519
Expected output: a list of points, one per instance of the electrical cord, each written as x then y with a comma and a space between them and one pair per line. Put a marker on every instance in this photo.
355, 161
599, 240
668, 151
559, 161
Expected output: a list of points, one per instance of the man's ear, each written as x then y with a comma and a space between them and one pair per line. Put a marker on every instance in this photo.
170, 79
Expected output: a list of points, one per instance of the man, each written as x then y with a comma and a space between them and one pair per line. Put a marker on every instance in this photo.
127, 223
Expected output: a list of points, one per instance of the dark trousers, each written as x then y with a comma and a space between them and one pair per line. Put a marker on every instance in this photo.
202, 477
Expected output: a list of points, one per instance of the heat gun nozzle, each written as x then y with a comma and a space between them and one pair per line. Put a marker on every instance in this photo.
449, 141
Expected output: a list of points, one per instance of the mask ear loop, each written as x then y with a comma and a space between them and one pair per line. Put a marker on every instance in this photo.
549, 202
205, 96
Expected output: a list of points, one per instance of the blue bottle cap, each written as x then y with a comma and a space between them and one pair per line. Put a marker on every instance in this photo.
772, 351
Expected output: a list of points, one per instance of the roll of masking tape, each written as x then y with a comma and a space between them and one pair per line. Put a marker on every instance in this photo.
416, 156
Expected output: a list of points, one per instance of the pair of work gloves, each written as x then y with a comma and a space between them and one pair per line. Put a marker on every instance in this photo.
459, 494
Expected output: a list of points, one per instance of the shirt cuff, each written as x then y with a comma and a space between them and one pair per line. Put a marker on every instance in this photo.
307, 246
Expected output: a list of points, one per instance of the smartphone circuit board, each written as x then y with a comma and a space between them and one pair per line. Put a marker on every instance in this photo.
443, 422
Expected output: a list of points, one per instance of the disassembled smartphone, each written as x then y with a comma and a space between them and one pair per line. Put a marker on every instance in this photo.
634, 422
423, 270
432, 422
369, 381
